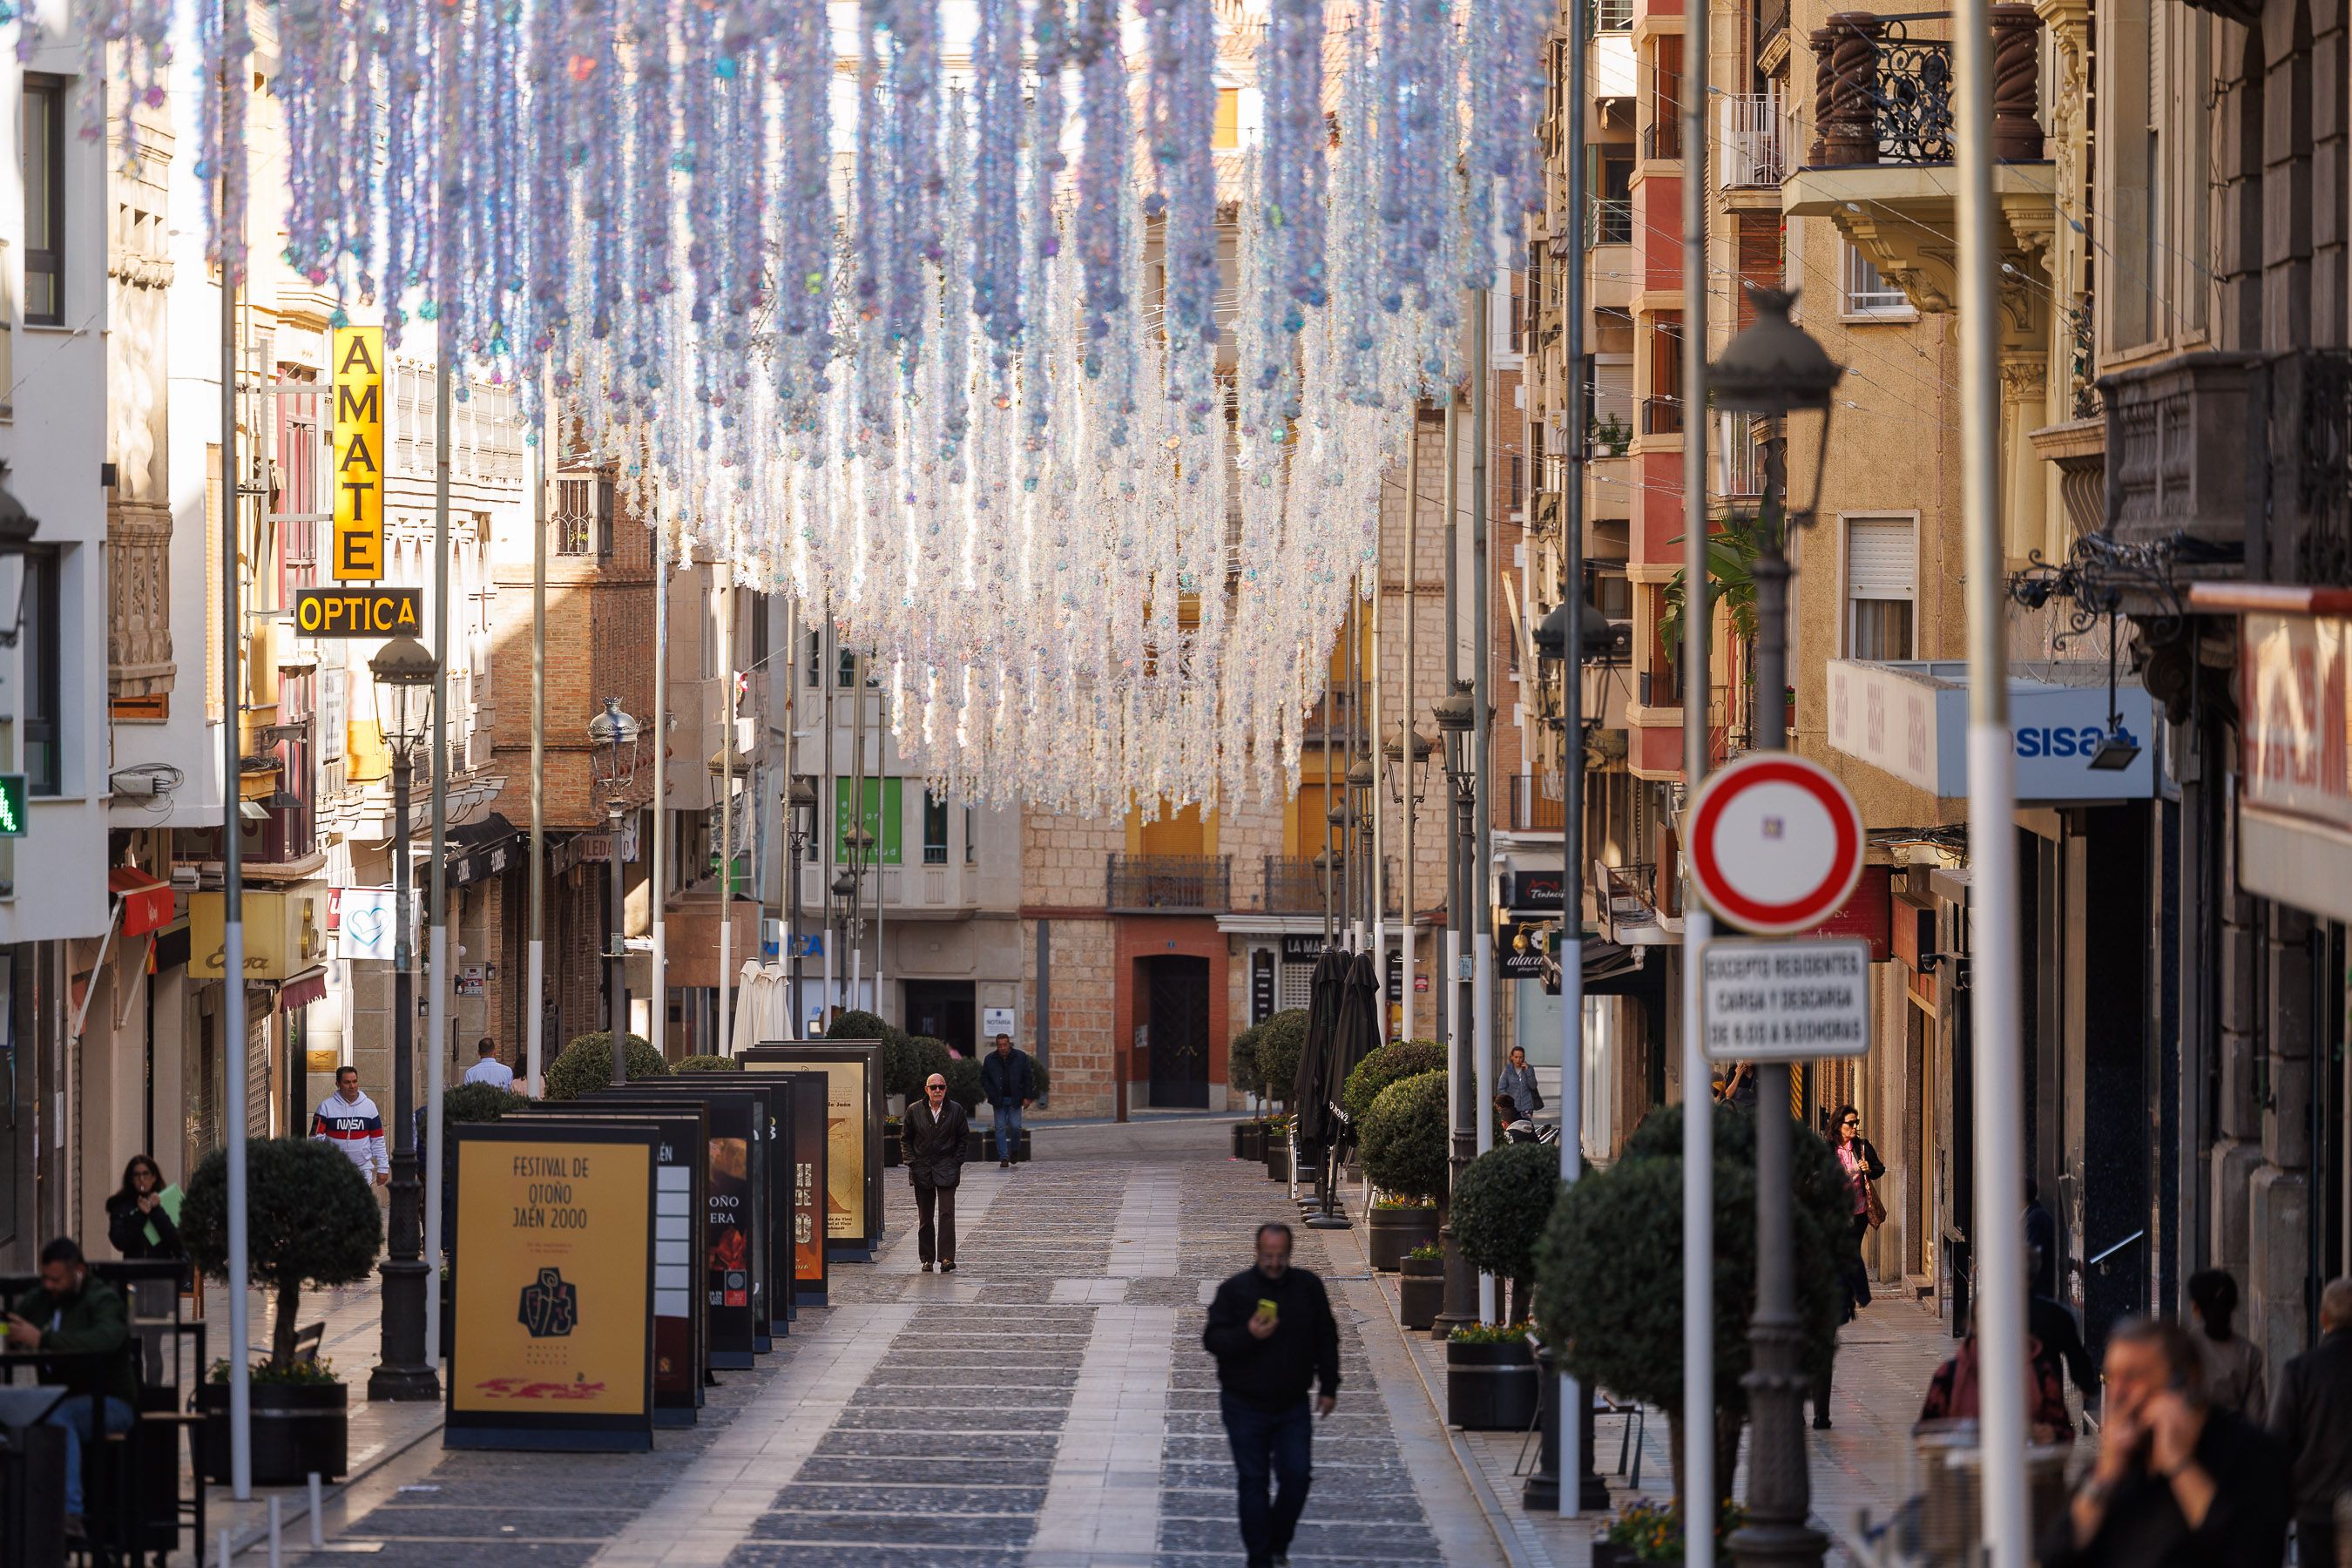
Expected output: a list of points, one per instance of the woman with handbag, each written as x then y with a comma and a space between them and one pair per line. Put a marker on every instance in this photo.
1862, 1168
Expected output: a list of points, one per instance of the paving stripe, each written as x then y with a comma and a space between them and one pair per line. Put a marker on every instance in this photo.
1102, 1502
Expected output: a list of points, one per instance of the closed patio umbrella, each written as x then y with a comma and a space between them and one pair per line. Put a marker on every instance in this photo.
1309, 1096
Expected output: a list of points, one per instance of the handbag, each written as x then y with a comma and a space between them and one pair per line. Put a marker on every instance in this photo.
1871, 1209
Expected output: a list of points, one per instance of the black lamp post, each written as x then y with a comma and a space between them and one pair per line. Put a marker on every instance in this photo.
612, 738
844, 884
1771, 370
1457, 719
1360, 804
403, 672
799, 818
1408, 782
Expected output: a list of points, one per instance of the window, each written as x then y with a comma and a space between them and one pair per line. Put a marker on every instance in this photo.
1881, 583
935, 829
1225, 135
583, 515
1865, 293
970, 845
44, 153
1663, 138
813, 665
40, 744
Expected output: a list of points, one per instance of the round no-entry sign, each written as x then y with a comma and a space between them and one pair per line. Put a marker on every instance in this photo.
1775, 844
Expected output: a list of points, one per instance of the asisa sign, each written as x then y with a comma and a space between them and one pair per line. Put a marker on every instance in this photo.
1911, 720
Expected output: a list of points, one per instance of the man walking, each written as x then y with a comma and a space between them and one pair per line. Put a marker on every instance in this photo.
1271, 1329
2311, 1413
73, 1315
350, 1121
930, 1138
1011, 1085
488, 1069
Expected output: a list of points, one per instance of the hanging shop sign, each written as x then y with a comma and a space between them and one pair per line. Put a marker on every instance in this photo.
552, 1332
1261, 985
358, 435
853, 1073
1911, 721
2295, 773
1785, 1000
359, 612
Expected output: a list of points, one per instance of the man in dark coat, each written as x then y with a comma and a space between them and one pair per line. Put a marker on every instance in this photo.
2310, 1413
1011, 1085
1273, 1335
83, 1318
932, 1140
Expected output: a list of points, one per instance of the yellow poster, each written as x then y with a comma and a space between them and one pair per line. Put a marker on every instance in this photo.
553, 1253
845, 1140
358, 432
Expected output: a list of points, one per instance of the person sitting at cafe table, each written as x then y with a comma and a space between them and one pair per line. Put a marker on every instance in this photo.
83, 1322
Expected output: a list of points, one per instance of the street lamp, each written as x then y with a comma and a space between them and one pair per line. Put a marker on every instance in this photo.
800, 820
1407, 784
612, 738
404, 670
1456, 718
1771, 370
1359, 802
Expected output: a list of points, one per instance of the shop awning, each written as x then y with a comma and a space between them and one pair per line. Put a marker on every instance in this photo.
302, 990
1910, 720
482, 849
146, 903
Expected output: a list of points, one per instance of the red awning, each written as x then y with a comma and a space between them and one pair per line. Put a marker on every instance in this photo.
302, 990
146, 903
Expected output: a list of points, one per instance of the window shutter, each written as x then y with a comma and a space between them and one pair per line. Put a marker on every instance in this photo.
1881, 560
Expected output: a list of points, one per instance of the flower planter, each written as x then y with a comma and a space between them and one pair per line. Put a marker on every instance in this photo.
1421, 1291
1278, 1161
1254, 1141
1241, 1140
297, 1427
1490, 1387
1394, 1232
980, 1144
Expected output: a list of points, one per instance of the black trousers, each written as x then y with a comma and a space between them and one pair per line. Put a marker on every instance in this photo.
936, 1245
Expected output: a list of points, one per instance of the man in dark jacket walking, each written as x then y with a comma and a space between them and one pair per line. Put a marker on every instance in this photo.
1271, 1329
932, 1140
1006, 1078
2311, 1413
82, 1318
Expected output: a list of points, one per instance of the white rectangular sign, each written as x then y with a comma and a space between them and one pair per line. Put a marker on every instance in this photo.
994, 1021
365, 927
1780, 1001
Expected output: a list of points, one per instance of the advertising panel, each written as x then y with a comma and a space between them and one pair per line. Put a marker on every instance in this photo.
734, 1213
853, 1070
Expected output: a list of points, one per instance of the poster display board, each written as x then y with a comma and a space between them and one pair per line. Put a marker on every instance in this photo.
552, 1343
681, 1353
776, 1093
734, 1250
853, 1070
811, 1284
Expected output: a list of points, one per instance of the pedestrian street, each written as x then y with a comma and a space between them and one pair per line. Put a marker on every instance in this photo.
1049, 1404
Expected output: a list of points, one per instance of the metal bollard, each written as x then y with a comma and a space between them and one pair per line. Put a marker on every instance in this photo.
318, 1528
275, 1559
222, 1561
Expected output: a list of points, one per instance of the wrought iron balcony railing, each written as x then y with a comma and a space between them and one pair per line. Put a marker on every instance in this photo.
1880, 96
1164, 883
1613, 221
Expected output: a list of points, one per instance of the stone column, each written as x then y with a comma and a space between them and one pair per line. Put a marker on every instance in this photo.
2016, 74
1848, 122
2237, 1147
2279, 1194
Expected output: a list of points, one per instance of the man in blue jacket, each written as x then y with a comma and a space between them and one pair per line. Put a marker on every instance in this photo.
1011, 1085
1273, 1335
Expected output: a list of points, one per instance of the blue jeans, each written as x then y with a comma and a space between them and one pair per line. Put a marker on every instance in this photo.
1276, 1443
1008, 1129
73, 1414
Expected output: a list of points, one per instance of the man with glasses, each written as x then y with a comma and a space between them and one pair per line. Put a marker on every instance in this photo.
931, 1139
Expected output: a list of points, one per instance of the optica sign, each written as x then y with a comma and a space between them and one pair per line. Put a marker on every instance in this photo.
358, 612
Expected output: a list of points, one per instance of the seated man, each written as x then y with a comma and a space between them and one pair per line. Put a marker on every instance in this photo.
75, 1314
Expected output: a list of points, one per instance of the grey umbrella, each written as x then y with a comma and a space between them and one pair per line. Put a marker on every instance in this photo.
1311, 1089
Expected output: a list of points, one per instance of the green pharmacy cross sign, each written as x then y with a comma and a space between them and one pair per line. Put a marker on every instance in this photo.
12, 805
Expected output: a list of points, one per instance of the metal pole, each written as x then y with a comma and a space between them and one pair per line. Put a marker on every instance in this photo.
864, 846
1441, 994
1352, 867
1700, 1490
829, 676
790, 817
726, 800
617, 956
1481, 734
232, 507
403, 1373
1461, 1306
536, 1025
1999, 1301
657, 984
436, 979
1409, 776
1378, 896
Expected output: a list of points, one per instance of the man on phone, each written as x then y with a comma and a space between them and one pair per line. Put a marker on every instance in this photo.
2178, 1483
1271, 1329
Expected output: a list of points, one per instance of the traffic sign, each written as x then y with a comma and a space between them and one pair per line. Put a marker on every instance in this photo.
1775, 844
1777, 1001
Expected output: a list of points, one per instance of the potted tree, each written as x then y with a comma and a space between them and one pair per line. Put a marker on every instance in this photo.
586, 1065
311, 1219
1402, 1139
1490, 1378
1500, 1206
1420, 1286
1397, 1223
1609, 1269
1242, 1078
1279, 1047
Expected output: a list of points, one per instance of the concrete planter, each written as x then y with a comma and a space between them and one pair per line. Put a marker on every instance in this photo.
1490, 1387
1277, 1162
1394, 1232
1421, 1291
297, 1427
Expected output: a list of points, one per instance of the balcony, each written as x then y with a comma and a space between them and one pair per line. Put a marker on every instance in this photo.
1613, 221
2179, 433
1662, 415
1749, 129
1635, 904
1662, 139
1293, 886
1168, 884
1880, 96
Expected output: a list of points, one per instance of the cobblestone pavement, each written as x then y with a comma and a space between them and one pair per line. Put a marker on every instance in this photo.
1048, 1406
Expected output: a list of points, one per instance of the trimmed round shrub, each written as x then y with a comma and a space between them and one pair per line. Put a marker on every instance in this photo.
1500, 1206
1241, 1060
471, 1102
1280, 1043
309, 1220
854, 1024
909, 1060
1404, 1137
706, 1064
963, 1084
1609, 1269
1405, 1058
587, 1064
